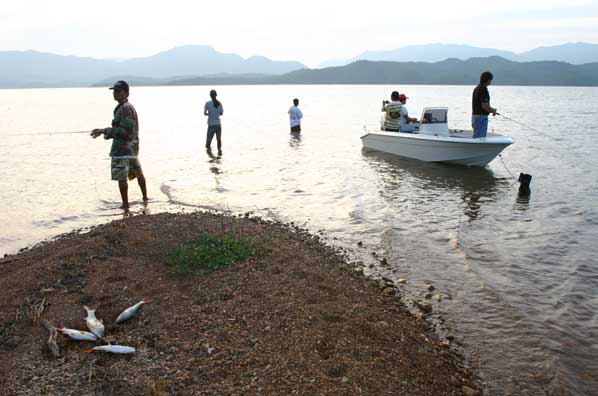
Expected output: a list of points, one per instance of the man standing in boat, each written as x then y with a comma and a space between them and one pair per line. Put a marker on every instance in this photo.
124, 133
481, 106
392, 110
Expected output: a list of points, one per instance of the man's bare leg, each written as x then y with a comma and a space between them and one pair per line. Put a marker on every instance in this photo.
141, 181
123, 186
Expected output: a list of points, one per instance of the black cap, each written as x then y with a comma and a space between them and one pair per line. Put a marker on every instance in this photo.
213, 92
120, 86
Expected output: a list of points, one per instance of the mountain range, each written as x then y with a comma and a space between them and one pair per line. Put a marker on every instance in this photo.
20, 69
574, 53
447, 72
23, 69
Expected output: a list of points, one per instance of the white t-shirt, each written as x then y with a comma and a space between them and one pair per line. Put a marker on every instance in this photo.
295, 116
404, 113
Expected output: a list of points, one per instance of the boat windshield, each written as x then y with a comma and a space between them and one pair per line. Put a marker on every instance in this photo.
434, 116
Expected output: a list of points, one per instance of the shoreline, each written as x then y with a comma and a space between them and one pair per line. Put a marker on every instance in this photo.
296, 319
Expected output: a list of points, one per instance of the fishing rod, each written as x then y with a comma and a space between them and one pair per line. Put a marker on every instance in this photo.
48, 133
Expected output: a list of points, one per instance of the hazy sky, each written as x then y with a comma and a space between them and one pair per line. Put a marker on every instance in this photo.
309, 31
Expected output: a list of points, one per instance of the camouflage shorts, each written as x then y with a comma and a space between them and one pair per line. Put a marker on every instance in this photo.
123, 168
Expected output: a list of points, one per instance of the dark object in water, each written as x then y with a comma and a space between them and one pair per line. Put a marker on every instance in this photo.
524, 182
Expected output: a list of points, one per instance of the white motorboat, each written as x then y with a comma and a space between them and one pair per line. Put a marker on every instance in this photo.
431, 140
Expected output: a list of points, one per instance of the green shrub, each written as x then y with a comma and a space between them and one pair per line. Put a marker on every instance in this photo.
210, 253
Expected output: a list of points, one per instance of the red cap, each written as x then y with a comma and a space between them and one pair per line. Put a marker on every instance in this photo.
403, 97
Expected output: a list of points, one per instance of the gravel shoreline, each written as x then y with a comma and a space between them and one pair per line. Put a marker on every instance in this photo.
296, 320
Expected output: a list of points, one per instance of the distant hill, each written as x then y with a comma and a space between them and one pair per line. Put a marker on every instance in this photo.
201, 60
434, 53
37, 69
574, 53
334, 63
193, 65
447, 72
214, 79
451, 71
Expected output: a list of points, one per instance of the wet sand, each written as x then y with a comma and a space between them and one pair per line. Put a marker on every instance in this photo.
298, 319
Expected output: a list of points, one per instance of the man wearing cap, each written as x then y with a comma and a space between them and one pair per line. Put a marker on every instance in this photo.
124, 133
407, 123
481, 108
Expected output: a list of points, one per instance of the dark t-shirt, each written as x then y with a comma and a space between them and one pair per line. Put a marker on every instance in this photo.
480, 95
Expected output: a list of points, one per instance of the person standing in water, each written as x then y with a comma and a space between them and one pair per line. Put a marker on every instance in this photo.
124, 133
213, 109
295, 116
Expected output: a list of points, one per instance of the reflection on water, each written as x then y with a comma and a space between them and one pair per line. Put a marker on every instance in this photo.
404, 176
215, 161
472, 200
522, 202
295, 140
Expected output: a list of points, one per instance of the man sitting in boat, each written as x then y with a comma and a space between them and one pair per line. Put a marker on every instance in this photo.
407, 123
392, 110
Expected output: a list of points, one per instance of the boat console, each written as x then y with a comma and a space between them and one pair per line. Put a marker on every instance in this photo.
434, 121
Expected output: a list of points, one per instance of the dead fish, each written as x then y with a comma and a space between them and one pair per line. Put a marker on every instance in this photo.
112, 349
130, 312
94, 324
78, 334
51, 343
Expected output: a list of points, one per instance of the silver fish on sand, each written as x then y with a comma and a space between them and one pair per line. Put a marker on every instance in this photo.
94, 324
130, 312
112, 349
78, 334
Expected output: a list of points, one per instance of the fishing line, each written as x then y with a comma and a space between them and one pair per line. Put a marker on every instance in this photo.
525, 126
525, 179
508, 171
47, 133
554, 152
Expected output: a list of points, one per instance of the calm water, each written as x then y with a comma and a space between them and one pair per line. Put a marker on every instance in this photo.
522, 275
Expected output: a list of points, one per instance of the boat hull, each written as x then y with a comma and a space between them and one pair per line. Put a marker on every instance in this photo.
457, 149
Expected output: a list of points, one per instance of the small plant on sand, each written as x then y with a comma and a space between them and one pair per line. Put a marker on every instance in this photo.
211, 252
